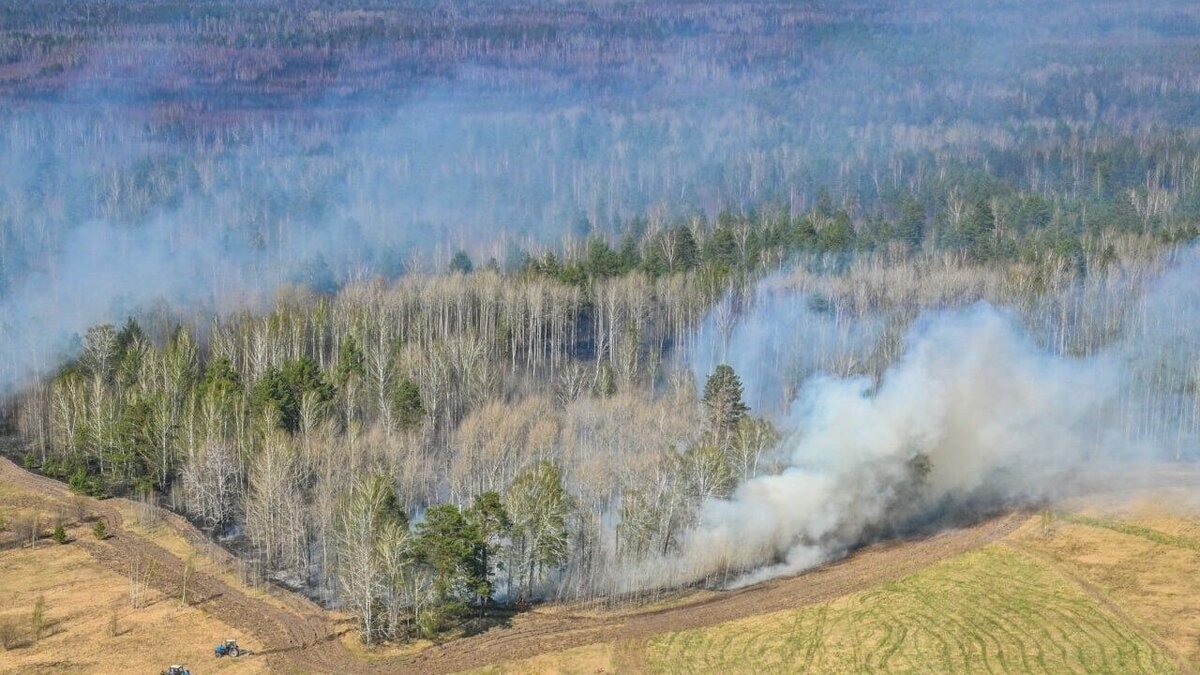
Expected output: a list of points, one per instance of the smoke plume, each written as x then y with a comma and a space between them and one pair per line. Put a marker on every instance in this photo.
977, 415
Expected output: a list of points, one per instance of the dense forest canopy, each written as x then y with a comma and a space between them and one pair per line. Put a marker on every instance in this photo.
425, 305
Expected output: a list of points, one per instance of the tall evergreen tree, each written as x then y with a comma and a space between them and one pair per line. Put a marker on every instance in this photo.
350, 361
723, 402
455, 550
490, 519
284, 389
407, 407
602, 261
911, 227
461, 263
539, 506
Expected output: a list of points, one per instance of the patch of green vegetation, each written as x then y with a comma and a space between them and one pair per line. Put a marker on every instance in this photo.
1134, 530
993, 610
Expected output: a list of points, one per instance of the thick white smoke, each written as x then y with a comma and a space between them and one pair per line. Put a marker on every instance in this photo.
973, 412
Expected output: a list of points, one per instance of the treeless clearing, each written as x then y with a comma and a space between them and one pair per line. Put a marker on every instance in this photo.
1138, 559
991, 610
266, 628
80, 597
998, 609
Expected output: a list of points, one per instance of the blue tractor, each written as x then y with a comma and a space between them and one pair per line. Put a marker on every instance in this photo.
228, 648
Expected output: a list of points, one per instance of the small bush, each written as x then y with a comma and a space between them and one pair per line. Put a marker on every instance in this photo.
78, 481
434, 620
28, 528
113, 629
79, 509
54, 469
60, 535
83, 484
37, 620
100, 530
10, 633
29, 461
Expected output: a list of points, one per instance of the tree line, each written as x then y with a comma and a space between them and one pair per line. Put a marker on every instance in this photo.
417, 449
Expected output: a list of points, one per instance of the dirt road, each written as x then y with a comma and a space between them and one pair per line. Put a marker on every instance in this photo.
299, 637
861, 571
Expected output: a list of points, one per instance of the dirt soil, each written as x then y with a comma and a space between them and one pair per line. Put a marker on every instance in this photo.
295, 635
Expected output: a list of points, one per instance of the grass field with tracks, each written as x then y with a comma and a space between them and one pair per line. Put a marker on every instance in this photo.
994, 610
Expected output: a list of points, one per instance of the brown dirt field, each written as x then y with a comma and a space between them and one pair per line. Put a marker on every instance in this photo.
295, 635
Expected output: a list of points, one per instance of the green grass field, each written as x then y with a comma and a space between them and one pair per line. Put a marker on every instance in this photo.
991, 611
1097, 588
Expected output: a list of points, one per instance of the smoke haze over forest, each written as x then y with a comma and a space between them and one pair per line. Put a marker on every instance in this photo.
635, 295
174, 165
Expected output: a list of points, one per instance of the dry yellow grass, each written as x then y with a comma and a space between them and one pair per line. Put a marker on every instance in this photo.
1141, 557
174, 543
80, 597
992, 610
354, 644
588, 660
601, 610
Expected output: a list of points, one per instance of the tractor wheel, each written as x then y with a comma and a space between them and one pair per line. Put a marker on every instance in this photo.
235, 652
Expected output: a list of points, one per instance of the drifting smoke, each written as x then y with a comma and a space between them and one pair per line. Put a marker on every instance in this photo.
117, 189
789, 338
976, 416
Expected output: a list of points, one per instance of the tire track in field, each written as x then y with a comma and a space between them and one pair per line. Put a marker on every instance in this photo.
1107, 603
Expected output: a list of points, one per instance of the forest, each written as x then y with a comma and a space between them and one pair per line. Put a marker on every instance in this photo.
425, 307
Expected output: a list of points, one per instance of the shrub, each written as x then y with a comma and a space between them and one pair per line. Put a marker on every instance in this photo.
37, 621
79, 509
10, 633
79, 481
52, 468
429, 623
60, 535
100, 530
83, 484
